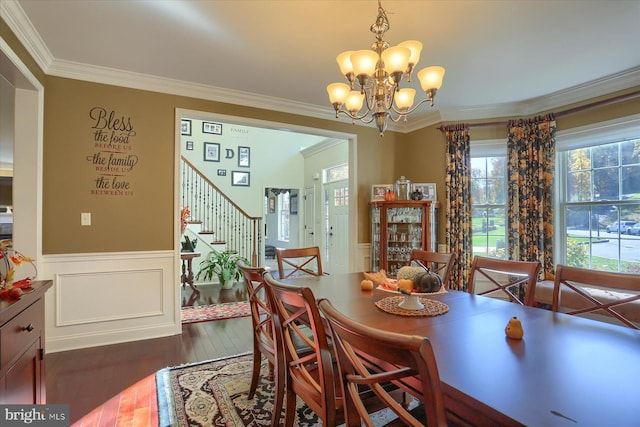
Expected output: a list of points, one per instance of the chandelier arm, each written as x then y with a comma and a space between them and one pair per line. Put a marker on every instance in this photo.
409, 110
351, 116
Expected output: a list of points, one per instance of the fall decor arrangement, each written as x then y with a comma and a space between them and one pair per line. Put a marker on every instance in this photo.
9, 260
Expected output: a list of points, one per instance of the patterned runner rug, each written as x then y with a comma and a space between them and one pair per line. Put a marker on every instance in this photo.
214, 393
205, 313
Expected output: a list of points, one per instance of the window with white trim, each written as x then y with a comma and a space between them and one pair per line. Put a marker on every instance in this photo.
489, 198
283, 216
598, 196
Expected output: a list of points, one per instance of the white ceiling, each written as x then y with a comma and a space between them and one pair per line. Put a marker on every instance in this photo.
504, 56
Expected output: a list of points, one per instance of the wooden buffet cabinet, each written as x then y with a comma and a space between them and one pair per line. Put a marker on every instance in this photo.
22, 370
399, 226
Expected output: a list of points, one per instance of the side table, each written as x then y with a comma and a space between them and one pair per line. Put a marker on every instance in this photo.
187, 268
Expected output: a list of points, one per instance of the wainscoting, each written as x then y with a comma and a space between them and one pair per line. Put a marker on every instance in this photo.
109, 298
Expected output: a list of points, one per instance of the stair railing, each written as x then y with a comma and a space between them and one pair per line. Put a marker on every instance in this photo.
219, 215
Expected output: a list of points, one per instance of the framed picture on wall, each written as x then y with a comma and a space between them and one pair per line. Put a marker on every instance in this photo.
211, 152
190, 145
428, 190
185, 127
240, 178
222, 172
293, 205
272, 205
244, 157
214, 128
378, 191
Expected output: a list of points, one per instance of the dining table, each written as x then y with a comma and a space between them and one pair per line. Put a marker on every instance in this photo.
565, 371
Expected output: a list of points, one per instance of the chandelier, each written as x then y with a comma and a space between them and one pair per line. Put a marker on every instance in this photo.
374, 76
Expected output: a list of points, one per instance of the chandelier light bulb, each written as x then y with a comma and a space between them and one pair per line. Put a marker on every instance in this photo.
404, 97
344, 62
431, 77
364, 62
354, 101
415, 47
338, 92
396, 59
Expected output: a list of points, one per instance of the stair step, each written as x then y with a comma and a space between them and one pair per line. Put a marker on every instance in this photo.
207, 232
218, 243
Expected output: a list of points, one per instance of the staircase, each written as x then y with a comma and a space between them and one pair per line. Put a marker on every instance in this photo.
222, 222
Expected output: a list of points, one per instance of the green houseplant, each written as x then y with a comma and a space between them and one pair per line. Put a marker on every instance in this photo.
223, 265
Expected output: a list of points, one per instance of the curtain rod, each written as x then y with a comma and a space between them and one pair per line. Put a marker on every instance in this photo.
601, 103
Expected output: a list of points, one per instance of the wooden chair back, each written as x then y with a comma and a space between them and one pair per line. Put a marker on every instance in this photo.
601, 295
508, 277
264, 336
371, 357
436, 262
299, 261
310, 375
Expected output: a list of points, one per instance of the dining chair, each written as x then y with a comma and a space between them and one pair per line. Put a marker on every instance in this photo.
436, 262
495, 277
299, 262
372, 357
311, 376
264, 337
600, 295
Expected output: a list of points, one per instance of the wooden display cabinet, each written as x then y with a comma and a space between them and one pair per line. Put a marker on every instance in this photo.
398, 227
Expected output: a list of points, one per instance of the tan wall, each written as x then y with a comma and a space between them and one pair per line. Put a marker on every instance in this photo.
144, 220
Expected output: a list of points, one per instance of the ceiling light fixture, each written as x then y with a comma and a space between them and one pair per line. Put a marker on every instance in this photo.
374, 75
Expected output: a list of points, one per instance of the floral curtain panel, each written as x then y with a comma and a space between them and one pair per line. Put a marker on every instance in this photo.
530, 171
458, 226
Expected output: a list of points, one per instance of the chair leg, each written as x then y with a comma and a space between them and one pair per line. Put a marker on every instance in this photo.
278, 396
270, 377
255, 376
290, 410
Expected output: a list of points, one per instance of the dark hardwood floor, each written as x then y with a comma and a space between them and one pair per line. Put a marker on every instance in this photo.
86, 378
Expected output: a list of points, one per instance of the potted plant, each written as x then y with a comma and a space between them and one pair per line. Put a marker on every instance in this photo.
223, 265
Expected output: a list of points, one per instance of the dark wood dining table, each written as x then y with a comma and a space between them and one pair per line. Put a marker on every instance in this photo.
566, 371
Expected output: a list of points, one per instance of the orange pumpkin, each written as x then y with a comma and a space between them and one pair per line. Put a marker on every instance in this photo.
389, 196
406, 284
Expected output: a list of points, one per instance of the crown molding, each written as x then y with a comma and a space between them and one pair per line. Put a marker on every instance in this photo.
17, 20
19, 23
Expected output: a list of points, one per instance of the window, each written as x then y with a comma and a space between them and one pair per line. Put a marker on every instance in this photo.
598, 188
283, 216
488, 198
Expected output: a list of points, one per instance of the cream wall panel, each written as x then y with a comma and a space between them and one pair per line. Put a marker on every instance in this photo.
108, 298
123, 295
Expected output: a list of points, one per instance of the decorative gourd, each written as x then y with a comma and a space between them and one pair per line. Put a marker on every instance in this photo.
514, 329
427, 282
409, 272
389, 196
417, 195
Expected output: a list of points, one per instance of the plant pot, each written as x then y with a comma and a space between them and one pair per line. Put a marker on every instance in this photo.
227, 285
226, 279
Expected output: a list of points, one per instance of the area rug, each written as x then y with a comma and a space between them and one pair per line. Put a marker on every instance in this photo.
205, 313
215, 393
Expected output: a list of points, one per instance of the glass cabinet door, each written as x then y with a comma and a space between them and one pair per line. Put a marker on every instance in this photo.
375, 239
404, 233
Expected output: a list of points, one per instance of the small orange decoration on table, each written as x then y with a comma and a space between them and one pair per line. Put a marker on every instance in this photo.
366, 285
514, 329
406, 284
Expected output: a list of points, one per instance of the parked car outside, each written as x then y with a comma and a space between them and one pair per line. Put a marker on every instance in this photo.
620, 226
635, 230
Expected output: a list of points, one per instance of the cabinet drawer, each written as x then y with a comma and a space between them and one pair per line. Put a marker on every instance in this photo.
15, 335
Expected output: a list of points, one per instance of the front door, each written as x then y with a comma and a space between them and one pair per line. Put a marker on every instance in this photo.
309, 216
336, 223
